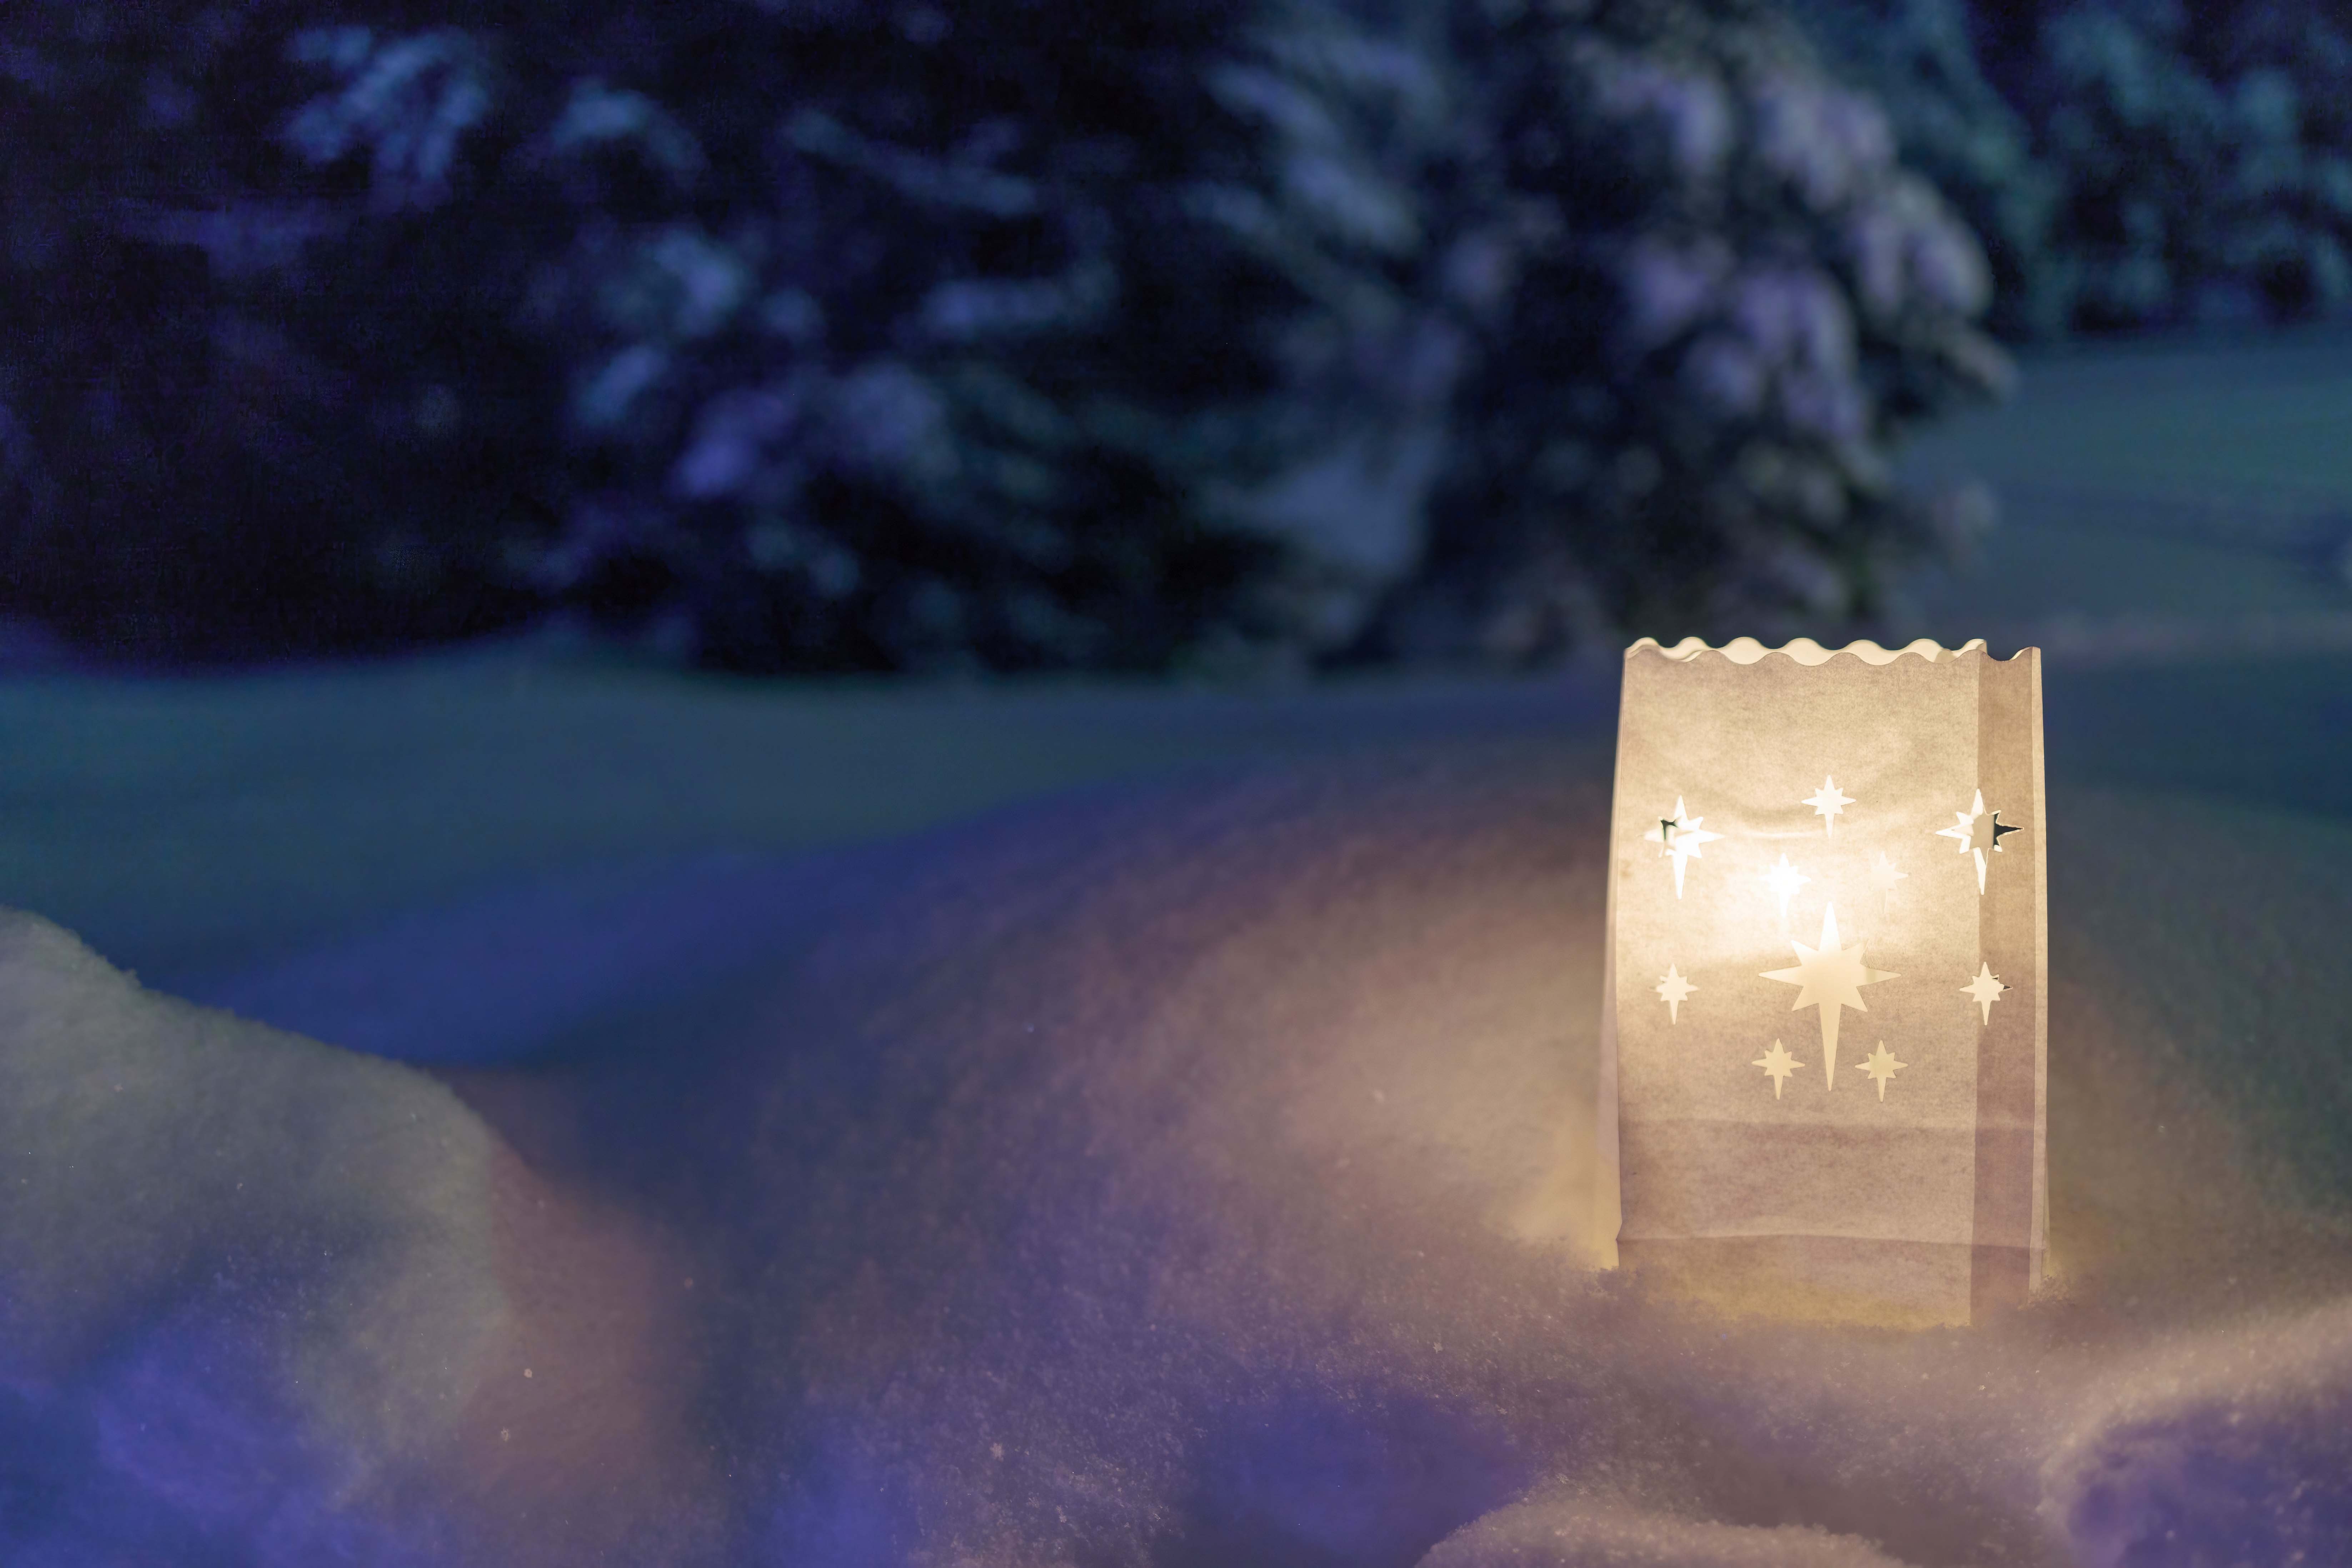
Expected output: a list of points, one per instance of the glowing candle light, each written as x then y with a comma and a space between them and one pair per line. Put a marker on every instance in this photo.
1741, 1164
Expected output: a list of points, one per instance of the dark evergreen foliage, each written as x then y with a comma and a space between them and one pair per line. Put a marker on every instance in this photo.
2128, 163
798, 335
1705, 305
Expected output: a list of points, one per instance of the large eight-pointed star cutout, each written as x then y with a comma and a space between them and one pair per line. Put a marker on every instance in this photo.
1830, 977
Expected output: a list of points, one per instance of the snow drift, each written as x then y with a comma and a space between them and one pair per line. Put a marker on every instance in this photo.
1189, 1176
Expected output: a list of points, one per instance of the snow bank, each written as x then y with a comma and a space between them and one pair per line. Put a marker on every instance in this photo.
243, 1276
1195, 1175
2229, 1447
268, 1301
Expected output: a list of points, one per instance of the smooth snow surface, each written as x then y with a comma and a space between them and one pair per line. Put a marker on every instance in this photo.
1191, 1174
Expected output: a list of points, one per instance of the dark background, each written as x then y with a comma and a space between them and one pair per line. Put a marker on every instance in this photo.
1215, 338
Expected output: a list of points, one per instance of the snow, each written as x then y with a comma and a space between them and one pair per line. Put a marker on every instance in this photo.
1072, 1125
1175, 1171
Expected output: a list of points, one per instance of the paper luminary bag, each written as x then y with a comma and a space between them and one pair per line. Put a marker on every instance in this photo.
1824, 1030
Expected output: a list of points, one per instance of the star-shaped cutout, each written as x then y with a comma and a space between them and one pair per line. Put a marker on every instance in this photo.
1975, 831
1881, 1064
1985, 989
1777, 1063
1883, 874
1681, 837
1827, 802
1830, 977
1674, 990
1784, 879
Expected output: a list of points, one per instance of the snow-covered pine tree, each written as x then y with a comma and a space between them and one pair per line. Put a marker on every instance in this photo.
887, 338
1702, 302
815, 336
170, 482
2129, 163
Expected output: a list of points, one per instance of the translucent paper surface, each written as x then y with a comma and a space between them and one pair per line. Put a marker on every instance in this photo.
1827, 1022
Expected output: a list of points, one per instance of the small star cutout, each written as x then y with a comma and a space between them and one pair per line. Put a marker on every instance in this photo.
1827, 802
1883, 874
1785, 879
1674, 990
1975, 831
1985, 989
1778, 1063
1681, 837
1881, 1064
